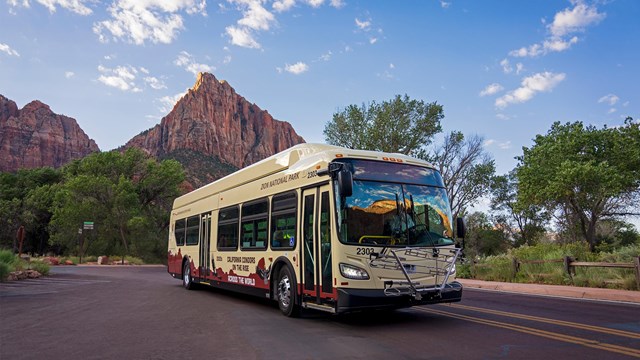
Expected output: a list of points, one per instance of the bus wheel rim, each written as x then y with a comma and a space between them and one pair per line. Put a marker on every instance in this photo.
186, 275
284, 291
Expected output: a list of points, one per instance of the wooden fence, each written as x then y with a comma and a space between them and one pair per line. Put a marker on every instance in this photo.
570, 265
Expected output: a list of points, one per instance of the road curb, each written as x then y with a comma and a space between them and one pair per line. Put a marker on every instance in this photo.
577, 292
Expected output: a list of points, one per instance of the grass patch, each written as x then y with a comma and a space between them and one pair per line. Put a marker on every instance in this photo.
531, 270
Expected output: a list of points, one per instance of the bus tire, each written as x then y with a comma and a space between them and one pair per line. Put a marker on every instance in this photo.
187, 279
286, 293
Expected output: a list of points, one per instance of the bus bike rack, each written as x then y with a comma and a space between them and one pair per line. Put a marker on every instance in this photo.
398, 259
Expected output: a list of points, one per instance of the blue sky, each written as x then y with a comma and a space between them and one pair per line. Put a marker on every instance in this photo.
504, 70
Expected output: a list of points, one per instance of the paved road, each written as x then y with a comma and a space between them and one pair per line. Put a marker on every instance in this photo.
142, 313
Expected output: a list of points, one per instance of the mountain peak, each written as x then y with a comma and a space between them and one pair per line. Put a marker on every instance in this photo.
35, 136
216, 122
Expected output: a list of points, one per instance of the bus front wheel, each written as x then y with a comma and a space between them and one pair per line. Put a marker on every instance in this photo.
287, 293
187, 280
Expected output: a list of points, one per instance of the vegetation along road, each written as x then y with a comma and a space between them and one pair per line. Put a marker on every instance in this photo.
142, 313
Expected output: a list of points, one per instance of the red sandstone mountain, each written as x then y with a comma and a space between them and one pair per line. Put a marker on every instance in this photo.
35, 136
212, 123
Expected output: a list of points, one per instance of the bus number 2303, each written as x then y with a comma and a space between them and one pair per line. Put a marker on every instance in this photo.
365, 251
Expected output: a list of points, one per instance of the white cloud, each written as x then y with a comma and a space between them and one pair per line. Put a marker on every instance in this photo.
337, 3
574, 20
488, 142
167, 102
506, 67
612, 110
391, 66
505, 145
121, 77
255, 18
610, 99
315, 3
155, 83
491, 89
373, 40
242, 37
326, 56
565, 24
227, 59
76, 6
363, 25
69, 74
283, 5
501, 116
297, 68
7, 49
541, 82
186, 61
519, 68
157, 21
444, 4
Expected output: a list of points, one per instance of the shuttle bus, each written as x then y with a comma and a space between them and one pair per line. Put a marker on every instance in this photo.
321, 227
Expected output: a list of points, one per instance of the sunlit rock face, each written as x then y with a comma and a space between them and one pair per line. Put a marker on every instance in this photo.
35, 136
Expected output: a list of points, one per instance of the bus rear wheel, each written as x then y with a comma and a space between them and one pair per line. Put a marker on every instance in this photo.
286, 290
187, 280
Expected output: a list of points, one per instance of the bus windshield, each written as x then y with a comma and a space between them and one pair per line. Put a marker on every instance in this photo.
391, 212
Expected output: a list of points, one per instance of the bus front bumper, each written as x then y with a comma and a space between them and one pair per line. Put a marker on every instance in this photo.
369, 299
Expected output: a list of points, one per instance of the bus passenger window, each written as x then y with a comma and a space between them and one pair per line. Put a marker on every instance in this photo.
255, 216
193, 230
228, 221
180, 231
283, 221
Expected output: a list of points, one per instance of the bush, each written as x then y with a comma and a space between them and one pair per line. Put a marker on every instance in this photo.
4, 271
7, 257
40, 267
501, 267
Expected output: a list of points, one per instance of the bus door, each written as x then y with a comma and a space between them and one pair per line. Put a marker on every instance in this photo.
317, 269
205, 245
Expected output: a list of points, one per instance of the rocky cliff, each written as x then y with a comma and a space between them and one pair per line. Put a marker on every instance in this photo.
35, 136
212, 121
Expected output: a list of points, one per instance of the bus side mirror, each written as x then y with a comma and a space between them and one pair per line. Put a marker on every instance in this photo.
461, 229
345, 183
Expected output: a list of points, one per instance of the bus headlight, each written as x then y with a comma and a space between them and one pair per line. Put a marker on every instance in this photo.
353, 272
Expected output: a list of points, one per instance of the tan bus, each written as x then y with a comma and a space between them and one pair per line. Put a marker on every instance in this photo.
321, 227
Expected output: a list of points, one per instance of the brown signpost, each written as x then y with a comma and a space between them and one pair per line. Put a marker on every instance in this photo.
20, 237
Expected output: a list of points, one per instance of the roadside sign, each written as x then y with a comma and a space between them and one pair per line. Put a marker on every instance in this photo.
88, 225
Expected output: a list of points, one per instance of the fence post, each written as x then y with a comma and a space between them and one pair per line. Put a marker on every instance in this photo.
567, 266
637, 263
515, 267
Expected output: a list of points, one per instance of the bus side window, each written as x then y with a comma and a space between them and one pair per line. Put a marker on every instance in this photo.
283, 220
193, 230
180, 231
255, 216
228, 222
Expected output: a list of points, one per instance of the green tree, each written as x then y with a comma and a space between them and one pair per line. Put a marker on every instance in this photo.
127, 195
400, 125
483, 239
24, 199
525, 223
593, 174
466, 169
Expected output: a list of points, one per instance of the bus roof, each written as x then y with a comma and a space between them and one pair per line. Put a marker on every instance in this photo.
293, 159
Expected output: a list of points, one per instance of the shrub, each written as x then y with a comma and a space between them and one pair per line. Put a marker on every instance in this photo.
7, 257
4, 271
40, 267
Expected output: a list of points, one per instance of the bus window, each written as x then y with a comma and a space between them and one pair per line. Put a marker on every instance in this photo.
254, 228
179, 231
193, 230
228, 220
283, 221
